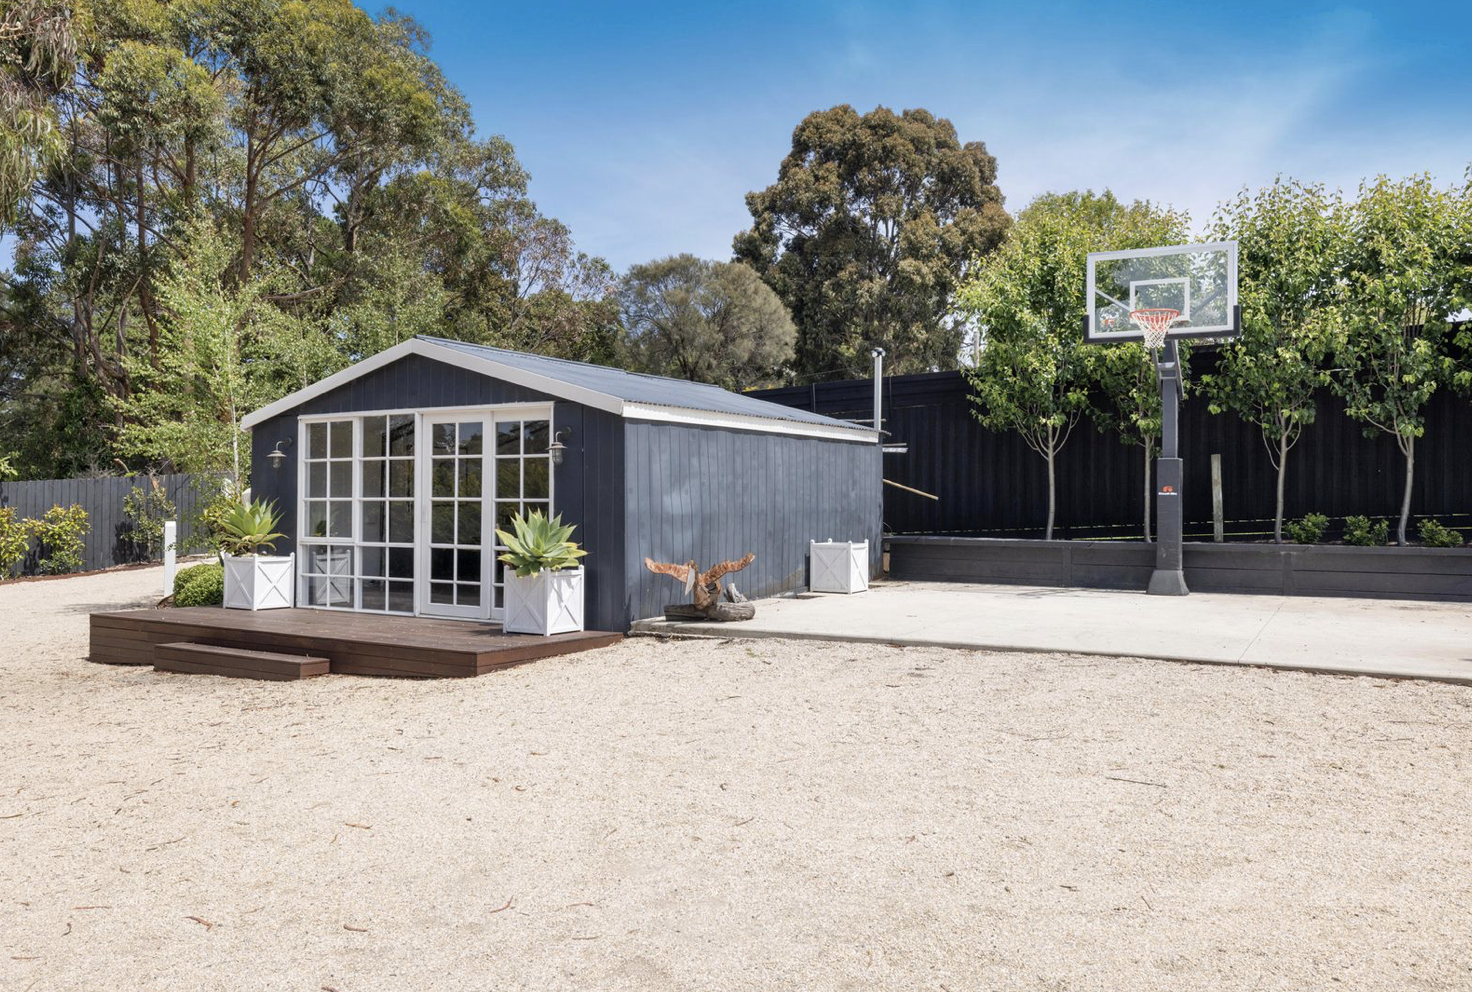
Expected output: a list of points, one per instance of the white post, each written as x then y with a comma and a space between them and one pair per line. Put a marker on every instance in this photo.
878, 354
171, 531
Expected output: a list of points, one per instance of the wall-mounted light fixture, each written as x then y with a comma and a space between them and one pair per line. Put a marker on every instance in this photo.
557, 447
277, 454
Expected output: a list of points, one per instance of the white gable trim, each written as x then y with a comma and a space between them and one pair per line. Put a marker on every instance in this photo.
557, 388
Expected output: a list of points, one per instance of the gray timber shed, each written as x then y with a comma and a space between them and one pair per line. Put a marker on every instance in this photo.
398, 469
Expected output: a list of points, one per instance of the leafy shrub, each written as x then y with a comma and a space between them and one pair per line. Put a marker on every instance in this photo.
148, 509
1362, 532
60, 539
214, 495
15, 540
200, 585
1309, 530
1434, 535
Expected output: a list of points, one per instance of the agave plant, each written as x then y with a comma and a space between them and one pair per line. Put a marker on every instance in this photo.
247, 528
539, 544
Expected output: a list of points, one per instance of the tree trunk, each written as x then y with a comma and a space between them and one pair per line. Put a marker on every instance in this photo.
1149, 443
1052, 500
1282, 475
1409, 447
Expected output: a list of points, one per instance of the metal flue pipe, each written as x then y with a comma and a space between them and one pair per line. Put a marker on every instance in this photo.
878, 354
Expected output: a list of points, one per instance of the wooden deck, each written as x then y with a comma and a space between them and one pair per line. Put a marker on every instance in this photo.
353, 643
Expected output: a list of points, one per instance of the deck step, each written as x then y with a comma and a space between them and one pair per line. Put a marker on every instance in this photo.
239, 663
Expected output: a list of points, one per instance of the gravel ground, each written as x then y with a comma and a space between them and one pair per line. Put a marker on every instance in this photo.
760, 815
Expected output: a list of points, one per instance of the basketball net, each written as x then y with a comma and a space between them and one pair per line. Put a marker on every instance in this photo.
1155, 323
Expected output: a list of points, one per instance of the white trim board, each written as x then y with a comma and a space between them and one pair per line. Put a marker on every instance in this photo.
560, 390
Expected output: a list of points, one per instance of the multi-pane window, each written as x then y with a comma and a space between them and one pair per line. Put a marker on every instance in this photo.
457, 459
386, 545
523, 478
365, 563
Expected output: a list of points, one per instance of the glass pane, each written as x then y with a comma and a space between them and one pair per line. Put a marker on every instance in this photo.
508, 478
441, 592
528, 507
472, 437
401, 563
401, 478
373, 478
340, 477
467, 595
467, 564
401, 597
373, 560
316, 592
534, 433
317, 479
442, 523
508, 438
340, 518
375, 438
316, 440
470, 476
504, 513
401, 434
374, 593
401, 521
496, 597
442, 564
535, 484
443, 436
442, 477
314, 559
317, 518
341, 439
469, 523
498, 571
374, 524
339, 560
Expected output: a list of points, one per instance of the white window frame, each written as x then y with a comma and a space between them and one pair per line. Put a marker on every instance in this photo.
421, 499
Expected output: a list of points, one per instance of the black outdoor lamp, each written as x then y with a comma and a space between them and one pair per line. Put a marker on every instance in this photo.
277, 455
557, 447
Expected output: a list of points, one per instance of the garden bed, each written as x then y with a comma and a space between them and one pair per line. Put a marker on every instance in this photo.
1272, 569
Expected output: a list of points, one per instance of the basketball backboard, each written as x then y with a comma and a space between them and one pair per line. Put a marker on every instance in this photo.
1197, 281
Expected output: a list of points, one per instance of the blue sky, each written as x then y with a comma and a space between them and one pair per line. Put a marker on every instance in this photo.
643, 125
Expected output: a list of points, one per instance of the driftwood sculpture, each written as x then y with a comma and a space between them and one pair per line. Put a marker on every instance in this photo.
705, 590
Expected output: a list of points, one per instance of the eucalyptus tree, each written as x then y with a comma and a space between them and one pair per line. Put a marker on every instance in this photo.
705, 321
1291, 238
873, 223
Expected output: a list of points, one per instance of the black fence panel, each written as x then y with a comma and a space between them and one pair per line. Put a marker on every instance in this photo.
993, 484
110, 538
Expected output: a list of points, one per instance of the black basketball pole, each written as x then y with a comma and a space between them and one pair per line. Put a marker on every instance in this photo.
1169, 577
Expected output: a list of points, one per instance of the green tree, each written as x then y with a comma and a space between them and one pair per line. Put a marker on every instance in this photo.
38, 55
1034, 373
1290, 240
705, 321
871, 226
1406, 271
185, 412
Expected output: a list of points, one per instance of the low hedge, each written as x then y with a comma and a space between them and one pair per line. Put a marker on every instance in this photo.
200, 585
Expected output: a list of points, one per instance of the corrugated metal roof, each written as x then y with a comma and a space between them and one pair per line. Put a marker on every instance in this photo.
635, 387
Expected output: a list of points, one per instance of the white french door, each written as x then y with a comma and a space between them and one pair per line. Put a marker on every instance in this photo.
454, 517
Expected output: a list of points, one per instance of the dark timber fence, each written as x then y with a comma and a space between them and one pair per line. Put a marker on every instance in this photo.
110, 533
992, 484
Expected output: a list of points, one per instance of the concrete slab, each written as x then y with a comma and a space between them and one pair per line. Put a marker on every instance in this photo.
1386, 638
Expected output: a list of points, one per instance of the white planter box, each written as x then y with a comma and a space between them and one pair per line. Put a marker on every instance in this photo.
839, 566
550, 602
260, 582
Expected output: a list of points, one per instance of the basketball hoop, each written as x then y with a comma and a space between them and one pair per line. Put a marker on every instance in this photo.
1155, 323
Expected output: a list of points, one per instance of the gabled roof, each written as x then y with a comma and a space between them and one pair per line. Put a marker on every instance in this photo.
626, 394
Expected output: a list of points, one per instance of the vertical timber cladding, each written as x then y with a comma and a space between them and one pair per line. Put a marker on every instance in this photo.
588, 485
713, 494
